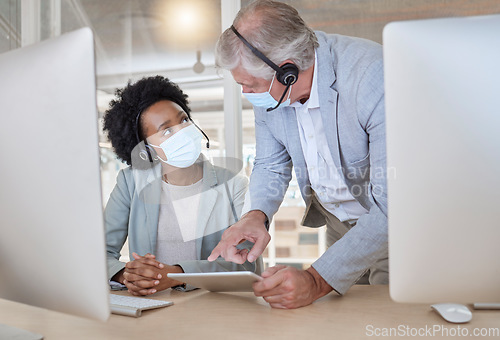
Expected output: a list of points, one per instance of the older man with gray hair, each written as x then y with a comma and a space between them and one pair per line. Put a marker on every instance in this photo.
319, 105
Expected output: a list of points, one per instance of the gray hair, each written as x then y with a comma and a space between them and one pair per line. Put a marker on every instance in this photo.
277, 31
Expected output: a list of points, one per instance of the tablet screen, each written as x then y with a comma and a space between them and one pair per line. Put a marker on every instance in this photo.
219, 281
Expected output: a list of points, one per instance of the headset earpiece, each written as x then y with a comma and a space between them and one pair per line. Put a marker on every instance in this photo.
289, 74
146, 154
143, 155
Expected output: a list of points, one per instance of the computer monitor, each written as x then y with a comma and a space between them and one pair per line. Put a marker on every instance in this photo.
442, 97
52, 243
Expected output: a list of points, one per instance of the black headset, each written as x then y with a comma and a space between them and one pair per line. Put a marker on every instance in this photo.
286, 74
148, 148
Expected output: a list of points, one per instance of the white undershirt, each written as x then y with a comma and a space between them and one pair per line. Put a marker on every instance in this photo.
327, 183
177, 222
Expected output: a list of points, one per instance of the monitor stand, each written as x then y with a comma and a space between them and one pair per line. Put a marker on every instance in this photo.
9, 332
486, 305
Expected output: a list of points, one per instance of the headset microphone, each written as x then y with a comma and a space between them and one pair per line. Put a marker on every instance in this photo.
281, 99
192, 121
202, 132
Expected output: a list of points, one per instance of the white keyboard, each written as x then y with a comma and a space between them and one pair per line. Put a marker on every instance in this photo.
133, 306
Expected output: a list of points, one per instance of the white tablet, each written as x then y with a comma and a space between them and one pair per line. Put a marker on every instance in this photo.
219, 281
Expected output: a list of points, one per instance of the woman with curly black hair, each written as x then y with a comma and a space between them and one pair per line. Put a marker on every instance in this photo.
171, 203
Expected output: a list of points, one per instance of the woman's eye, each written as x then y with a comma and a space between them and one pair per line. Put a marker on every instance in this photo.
185, 120
167, 132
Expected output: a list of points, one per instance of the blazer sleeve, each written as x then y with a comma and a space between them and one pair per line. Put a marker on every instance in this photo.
272, 169
349, 258
239, 191
116, 219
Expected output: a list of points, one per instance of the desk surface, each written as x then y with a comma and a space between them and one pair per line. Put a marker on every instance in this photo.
365, 311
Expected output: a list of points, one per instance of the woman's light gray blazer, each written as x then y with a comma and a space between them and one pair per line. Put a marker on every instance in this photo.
133, 210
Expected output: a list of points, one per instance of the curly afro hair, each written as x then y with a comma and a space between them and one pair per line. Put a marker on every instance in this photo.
120, 118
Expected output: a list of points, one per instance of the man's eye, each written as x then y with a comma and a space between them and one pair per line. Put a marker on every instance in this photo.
167, 132
185, 120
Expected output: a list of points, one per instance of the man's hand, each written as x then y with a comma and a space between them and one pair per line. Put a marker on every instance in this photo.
250, 227
288, 287
146, 276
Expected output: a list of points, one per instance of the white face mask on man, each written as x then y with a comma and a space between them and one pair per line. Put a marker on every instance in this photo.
264, 99
183, 148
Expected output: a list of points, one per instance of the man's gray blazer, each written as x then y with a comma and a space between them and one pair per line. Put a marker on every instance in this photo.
351, 96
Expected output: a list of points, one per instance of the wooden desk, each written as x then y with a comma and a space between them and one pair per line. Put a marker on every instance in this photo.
203, 315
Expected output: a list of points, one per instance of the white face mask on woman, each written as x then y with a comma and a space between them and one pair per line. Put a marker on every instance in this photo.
183, 148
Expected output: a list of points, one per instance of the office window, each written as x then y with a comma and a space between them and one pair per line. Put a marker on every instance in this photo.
10, 25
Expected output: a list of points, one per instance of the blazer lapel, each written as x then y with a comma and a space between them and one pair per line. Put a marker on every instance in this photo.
328, 99
207, 202
151, 196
